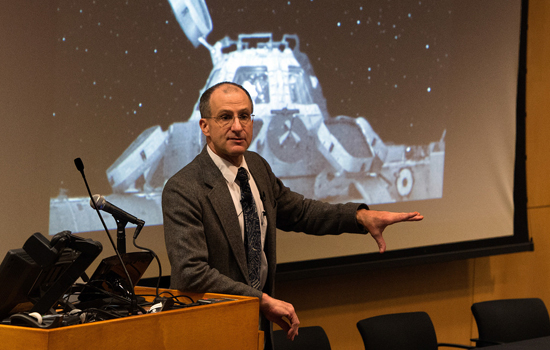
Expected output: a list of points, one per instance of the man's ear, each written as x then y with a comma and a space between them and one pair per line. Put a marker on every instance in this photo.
205, 127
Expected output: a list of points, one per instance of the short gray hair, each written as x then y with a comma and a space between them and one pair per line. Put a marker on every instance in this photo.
204, 102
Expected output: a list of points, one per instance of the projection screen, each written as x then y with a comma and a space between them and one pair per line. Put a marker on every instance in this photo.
402, 105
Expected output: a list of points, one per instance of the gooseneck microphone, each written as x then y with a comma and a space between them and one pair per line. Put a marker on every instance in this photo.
115, 211
133, 307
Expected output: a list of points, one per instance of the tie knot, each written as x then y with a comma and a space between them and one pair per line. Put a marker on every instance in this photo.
242, 175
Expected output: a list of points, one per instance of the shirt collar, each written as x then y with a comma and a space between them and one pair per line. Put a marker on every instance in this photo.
228, 170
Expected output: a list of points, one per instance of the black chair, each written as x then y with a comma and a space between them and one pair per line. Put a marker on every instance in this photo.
509, 320
308, 338
401, 331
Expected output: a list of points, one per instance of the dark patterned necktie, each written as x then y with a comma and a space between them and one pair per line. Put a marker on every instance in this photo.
252, 233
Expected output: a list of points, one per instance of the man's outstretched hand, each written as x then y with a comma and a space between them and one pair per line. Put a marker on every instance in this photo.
281, 313
376, 221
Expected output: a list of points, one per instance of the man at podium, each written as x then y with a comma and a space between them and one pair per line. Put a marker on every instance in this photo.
221, 212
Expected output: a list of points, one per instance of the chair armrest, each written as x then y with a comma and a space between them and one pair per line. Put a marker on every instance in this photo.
450, 345
486, 342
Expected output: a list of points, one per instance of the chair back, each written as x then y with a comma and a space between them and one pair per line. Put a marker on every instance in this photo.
401, 331
509, 320
308, 338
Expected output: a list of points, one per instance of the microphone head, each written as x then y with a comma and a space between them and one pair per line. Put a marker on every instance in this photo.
79, 164
98, 200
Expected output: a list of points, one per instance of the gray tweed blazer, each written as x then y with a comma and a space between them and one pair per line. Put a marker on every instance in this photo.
202, 232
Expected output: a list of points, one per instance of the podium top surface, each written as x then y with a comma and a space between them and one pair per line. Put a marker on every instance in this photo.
227, 325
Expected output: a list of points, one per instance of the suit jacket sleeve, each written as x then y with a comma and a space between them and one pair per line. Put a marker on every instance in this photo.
296, 213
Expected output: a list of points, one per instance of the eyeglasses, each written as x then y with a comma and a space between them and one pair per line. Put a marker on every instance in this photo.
226, 120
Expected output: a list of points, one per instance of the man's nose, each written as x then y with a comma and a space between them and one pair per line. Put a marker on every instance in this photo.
236, 124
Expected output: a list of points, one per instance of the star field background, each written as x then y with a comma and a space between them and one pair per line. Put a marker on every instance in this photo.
82, 79
123, 66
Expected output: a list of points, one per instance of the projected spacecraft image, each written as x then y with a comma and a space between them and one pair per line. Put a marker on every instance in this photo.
315, 142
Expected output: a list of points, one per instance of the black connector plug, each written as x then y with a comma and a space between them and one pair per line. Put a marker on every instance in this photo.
161, 304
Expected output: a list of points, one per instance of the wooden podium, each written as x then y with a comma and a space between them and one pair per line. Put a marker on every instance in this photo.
225, 325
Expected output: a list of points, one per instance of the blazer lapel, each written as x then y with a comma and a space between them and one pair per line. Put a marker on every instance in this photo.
222, 203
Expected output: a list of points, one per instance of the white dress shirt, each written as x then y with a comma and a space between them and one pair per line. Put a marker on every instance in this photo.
229, 172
